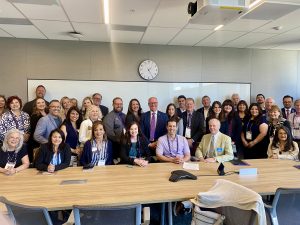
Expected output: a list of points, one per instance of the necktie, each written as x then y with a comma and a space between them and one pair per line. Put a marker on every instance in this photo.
287, 113
189, 119
212, 147
152, 127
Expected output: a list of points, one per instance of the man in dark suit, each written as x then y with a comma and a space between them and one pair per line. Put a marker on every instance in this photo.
40, 92
206, 110
181, 103
193, 125
97, 98
287, 109
153, 123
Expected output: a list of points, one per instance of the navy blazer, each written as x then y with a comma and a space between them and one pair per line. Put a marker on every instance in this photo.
284, 114
197, 125
87, 154
104, 110
161, 124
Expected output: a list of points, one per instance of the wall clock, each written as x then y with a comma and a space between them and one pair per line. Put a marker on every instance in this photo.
148, 69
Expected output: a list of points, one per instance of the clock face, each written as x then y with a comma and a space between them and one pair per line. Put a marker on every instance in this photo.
148, 70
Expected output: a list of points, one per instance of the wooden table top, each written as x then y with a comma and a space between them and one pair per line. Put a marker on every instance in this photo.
122, 184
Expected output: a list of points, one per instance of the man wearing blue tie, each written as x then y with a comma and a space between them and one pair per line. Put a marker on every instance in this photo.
153, 123
215, 147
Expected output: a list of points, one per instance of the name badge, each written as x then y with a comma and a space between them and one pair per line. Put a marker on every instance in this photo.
124, 131
249, 135
188, 132
219, 149
94, 149
101, 162
9, 165
296, 132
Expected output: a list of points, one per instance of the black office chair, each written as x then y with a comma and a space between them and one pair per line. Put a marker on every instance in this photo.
120, 215
285, 208
27, 215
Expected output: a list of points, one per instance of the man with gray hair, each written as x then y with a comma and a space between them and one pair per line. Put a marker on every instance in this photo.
215, 146
235, 98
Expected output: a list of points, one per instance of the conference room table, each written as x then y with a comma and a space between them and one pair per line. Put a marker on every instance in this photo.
124, 184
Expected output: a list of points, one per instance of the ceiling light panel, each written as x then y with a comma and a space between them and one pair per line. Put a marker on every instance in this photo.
81, 11
42, 12
132, 12
171, 13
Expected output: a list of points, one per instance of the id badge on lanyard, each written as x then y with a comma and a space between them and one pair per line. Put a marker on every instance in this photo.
10, 165
188, 132
248, 135
101, 162
296, 132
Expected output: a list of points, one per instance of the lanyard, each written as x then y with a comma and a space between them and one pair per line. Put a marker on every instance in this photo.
248, 125
11, 158
177, 150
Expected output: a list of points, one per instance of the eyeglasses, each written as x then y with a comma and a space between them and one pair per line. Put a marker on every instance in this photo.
152, 103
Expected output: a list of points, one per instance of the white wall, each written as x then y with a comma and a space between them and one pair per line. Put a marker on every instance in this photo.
271, 72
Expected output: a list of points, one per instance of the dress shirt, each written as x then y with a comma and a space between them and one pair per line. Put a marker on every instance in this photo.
167, 146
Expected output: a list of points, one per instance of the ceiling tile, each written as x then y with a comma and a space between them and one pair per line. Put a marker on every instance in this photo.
286, 23
81, 11
22, 31
220, 38
189, 37
277, 40
200, 26
7, 10
132, 12
54, 29
158, 35
247, 40
4, 34
42, 12
126, 36
244, 25
171, 13
93, 32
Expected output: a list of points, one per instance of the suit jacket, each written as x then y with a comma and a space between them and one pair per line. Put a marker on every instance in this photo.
201, 110
104, 110
179, 113
223, 149
284, 113
45, 156
197, 125
43, 128
161, 124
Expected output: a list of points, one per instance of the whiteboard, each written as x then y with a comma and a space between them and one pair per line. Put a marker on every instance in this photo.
166, 92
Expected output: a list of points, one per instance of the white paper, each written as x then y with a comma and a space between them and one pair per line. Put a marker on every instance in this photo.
190, 166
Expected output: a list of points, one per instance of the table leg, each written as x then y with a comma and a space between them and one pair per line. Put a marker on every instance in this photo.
162, 214
170, 213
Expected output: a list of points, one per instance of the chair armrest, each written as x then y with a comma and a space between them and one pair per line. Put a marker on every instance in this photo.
146, 216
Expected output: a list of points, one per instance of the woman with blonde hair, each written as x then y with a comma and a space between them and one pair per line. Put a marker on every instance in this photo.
86, 103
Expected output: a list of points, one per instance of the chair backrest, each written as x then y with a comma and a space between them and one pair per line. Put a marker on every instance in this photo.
27, 215
236, 216
286, 203
99, 215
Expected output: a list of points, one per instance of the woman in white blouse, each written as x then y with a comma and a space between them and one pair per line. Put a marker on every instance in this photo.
283, 146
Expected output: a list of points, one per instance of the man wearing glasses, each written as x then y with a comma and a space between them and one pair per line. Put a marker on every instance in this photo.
48, 123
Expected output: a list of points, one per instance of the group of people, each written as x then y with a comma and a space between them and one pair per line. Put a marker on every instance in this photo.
54, 135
